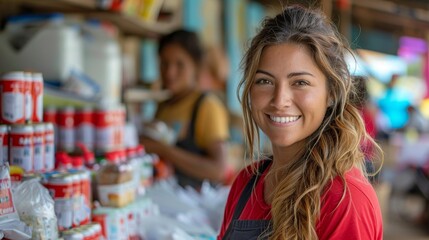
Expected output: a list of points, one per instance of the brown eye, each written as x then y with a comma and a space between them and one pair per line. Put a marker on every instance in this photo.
262, 81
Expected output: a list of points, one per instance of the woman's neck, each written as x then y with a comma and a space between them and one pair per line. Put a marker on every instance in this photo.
179, 96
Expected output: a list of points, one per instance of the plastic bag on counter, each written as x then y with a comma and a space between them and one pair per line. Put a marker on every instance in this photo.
166, 228
15, 230
186, 213
211, 199
36, 208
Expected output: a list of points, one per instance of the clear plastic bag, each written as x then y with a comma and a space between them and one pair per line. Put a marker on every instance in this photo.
36, 208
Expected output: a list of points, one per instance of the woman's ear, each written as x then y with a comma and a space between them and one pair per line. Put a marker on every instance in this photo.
330, 102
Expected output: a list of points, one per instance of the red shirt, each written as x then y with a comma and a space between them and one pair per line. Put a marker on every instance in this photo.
358, 216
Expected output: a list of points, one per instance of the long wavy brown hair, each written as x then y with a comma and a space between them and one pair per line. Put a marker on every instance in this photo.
334, 148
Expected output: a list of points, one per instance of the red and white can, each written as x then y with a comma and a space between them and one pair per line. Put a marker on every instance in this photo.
60, 186
104, 121
37, 97
109, 128
21, 146
66, 129
4, 144
85, 181
85, 127
28, 99
12, 105
50, 115
77, 199
49, 147
39, 147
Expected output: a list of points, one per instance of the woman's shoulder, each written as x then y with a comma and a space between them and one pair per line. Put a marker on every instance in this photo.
349, 206
247, 172
353, 187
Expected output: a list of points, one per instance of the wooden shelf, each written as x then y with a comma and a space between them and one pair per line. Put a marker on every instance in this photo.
138, 95
127, 24
132, 26
55, 5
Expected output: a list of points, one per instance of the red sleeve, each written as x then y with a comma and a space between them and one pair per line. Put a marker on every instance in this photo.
356, 217
237, 187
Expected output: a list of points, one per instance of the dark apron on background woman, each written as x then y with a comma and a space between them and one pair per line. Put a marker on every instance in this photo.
189, 144
247, 229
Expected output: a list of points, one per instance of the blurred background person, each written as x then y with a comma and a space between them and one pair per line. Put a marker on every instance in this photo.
215, 71
199, 119
393, 105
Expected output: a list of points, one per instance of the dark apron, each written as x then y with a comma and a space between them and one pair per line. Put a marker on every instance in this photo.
189, 144
247, 229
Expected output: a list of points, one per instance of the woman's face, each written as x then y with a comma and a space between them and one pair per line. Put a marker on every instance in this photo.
178, 70
289, 95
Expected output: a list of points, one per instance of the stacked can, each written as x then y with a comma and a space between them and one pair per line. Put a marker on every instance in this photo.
4, 144
21, 146
109, 128
61, 188
12, 86
28, 99
39, 147
66, 129
49, 146
85, 127
21, 98
50, 115
30, 146
37, 97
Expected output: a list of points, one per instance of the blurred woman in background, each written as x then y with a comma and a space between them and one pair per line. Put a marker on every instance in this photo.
199, 119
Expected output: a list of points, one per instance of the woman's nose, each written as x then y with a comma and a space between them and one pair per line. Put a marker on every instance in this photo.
282, 96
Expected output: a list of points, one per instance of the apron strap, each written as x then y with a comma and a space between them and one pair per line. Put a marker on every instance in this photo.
245, 195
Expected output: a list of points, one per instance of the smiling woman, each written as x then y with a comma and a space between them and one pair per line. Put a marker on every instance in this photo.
289, 96
296, 89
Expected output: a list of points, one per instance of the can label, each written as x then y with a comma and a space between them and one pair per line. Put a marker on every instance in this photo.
37, 96
86, 196
61, 189
66, 130
4, 144
77, 201
85, 128
39, 149
21, 150
28, 99
13, 98
109, 129
49, 147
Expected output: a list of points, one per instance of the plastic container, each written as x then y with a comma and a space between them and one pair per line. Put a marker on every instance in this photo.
102, 60
116, 185
41, 43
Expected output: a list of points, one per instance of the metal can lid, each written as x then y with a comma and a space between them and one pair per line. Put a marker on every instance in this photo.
39, 127
48, 126
61, 178
21, 128
37, 77
4, 128
15, 76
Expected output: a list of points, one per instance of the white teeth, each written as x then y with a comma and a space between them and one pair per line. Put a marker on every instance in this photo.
284, 119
